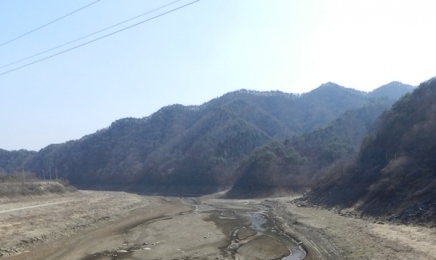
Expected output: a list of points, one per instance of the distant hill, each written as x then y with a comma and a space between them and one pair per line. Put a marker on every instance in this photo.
394, 175
296, 163
14, 160
191, 149
393, 90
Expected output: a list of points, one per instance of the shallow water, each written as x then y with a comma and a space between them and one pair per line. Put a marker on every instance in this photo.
260, 221
243, 223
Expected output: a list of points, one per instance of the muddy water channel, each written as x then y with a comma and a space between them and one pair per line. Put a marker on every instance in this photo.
252, 232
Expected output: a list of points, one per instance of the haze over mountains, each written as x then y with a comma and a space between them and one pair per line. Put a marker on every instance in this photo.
395, 173
200, 149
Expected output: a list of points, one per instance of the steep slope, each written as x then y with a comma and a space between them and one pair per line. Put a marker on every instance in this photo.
295, 164
395, 173
191, 148
327, 101
177, 144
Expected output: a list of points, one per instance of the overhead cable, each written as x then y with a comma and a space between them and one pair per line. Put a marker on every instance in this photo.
86, 36
42, 26
99, 38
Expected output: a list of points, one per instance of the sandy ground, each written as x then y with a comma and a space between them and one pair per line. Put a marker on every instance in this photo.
29, 221
110, 225
114, 225
357, 238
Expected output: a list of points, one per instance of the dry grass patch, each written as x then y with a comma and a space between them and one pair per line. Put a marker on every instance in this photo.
45, 218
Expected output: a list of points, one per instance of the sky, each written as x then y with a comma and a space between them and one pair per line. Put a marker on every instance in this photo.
193, 54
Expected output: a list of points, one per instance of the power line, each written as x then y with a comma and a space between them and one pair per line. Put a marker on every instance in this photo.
99, 38
86, 36
42, 26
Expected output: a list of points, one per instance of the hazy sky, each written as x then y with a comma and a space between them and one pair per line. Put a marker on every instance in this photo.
195, 54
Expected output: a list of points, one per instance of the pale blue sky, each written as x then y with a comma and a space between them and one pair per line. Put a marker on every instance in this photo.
195, 54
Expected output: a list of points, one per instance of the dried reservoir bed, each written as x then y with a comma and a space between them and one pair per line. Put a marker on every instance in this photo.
96, 225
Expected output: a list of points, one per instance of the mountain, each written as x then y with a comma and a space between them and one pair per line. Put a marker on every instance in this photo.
394, 90
191, 149
394, 175
296, 163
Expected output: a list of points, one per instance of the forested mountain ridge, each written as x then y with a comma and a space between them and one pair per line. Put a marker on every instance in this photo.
191, 148
394, 175
296, 163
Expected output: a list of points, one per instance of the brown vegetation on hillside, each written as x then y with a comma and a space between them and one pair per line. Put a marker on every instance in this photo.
395, 173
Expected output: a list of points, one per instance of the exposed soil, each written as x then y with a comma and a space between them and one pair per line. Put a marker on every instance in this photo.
325, 232
116, 225
90, 225
30, 222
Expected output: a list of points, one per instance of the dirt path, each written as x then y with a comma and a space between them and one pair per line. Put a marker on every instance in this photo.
315, 241
108, 236
27, 222
31, 207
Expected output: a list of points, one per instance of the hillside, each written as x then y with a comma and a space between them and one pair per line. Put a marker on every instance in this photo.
395, 90
394, 175
191, 149
14, 160
296, 163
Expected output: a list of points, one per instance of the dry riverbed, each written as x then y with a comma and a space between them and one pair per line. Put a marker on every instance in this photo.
355, 238
29, 222
94, 225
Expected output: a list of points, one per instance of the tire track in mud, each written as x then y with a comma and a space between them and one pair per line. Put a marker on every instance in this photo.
314, 240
